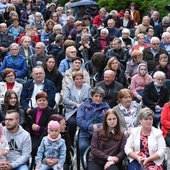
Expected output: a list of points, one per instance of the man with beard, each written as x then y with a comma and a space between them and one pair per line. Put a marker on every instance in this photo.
19, 143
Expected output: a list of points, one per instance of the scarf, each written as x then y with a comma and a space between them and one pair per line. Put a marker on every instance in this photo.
131, 114
53, 140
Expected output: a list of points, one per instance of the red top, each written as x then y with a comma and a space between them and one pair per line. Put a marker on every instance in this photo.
10, 86
165, 118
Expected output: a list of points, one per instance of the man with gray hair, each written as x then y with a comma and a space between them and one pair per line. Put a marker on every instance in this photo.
55, 47
15, 61
68, 26
37, 59
6, 39
155, 19
159, 29
151, 54
111, 88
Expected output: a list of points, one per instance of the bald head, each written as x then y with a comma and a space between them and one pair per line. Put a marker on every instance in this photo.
109, 77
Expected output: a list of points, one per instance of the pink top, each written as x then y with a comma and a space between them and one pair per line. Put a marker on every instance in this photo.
38, 116
138, 83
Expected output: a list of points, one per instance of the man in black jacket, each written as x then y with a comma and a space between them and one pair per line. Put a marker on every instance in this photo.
6, 39
111, 88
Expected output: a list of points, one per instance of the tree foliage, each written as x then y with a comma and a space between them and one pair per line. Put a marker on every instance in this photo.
143, 6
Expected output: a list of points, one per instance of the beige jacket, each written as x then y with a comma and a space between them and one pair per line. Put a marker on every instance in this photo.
3, 88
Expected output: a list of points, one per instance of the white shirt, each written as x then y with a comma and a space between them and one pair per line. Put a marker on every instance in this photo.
37, 88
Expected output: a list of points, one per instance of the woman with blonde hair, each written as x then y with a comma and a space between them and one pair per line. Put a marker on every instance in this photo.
8, 9
48, 30
114, 65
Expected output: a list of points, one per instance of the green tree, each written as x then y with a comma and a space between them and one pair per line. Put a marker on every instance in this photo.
143, 6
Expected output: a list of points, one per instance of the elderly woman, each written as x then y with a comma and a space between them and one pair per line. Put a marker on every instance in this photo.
127, 111
85, 48
155, 95
107, 145
141, 45
38, 22
37, 121
15, 61
74, 94
126, 40
76, 66
145, 146
98, 19
15, 29
90, 117
11, 101
141, 28
26, 49
56, 30
9, 83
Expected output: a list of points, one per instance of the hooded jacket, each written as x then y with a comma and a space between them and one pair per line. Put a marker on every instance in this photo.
19, 146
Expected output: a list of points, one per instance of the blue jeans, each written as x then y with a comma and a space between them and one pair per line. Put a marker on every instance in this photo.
134, 165
22, 167
84, 143
46, 167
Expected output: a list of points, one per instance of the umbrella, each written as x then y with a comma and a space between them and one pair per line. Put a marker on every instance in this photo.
84, 3
167, 7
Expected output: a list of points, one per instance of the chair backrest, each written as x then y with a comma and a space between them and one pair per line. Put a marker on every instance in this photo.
167, 84
89, 67
86, 157
73, 157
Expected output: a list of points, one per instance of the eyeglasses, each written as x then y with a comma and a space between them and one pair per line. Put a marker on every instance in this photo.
10, 120
14, 49
155, 43
37, 47
9, 76
73, 51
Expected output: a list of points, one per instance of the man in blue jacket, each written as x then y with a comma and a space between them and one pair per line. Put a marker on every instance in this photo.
32, 87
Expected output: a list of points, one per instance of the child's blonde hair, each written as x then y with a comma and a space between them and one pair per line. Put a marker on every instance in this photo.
163, 56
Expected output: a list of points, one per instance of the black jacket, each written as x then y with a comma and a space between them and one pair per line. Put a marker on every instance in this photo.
151, 97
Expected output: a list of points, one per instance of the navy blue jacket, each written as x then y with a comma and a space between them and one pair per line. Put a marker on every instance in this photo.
28, 89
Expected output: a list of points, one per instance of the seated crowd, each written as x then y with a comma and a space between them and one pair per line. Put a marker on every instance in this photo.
103, 74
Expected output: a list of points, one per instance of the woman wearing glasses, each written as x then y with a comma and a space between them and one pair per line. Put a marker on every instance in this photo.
9, 83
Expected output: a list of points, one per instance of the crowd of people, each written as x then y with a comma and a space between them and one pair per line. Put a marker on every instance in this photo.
100, 73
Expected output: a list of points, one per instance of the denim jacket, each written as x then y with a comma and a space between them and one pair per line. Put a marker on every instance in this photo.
51, 149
